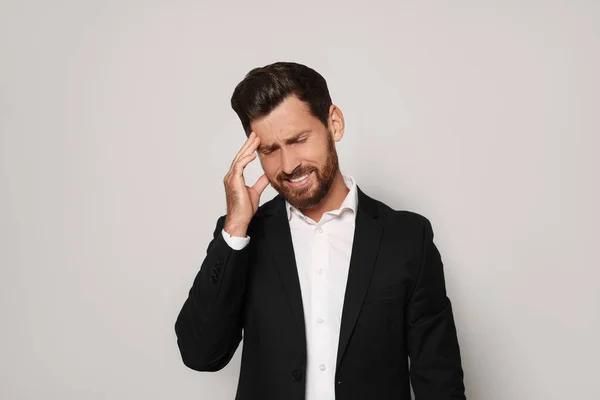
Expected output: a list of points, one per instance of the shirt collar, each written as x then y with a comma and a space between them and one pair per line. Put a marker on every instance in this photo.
350, 202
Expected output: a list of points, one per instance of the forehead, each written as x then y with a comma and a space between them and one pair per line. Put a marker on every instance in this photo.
287, 119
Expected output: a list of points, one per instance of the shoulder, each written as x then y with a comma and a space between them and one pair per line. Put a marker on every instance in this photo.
405, 220
269, 207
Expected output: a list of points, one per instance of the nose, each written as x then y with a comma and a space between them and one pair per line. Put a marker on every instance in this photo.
289, 161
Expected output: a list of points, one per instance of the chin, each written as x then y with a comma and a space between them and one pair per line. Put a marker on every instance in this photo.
309, 200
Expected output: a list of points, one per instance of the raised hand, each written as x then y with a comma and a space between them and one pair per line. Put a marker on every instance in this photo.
242, 200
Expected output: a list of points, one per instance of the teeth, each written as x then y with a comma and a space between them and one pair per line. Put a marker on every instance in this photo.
299, 179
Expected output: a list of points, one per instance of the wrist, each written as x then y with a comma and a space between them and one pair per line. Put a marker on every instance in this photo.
236, 230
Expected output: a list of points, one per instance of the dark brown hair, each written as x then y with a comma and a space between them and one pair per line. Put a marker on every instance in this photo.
264, 88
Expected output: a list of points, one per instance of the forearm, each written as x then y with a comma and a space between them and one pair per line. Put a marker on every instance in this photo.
435, 368
436, 371
209, 325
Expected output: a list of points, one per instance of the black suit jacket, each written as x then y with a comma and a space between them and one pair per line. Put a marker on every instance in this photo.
395, 307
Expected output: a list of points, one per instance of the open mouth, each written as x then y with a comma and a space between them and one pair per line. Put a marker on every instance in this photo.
300, 181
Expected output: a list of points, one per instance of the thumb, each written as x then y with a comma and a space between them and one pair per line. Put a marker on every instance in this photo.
261, 184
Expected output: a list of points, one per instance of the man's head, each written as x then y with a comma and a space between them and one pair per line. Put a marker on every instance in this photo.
289, 108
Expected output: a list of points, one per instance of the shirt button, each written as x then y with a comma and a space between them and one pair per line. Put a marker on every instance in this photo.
319, 230
320, 320
322, 367
320, 271
297, 375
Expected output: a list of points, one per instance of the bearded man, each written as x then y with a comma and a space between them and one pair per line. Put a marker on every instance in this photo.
338, 295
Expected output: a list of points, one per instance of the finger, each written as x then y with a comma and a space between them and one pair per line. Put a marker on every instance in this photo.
249, 155
242, 150
238, 167
248, 141
261, 184
248, 144
252, 146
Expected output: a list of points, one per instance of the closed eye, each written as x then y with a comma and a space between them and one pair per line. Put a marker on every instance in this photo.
267, 152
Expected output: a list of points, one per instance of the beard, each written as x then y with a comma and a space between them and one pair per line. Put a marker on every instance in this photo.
312, 194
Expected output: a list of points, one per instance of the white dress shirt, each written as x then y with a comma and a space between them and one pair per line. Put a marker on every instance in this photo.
322, 252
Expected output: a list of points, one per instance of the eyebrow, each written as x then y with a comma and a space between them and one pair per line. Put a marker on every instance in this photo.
290, 140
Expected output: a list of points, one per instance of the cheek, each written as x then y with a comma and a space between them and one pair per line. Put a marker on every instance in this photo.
315, 156
270, 166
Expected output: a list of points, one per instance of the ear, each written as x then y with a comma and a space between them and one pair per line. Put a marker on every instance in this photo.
336, 122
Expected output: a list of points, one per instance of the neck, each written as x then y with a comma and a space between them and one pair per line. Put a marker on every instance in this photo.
332, 200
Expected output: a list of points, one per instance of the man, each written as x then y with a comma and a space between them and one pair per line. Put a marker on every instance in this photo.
334, 290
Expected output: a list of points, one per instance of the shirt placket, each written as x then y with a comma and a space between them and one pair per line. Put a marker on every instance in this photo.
320, 313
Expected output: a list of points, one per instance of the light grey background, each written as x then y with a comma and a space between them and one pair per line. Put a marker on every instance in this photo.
117, 132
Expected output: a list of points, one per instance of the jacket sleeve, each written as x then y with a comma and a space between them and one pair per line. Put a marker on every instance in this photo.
435, 363
209, 325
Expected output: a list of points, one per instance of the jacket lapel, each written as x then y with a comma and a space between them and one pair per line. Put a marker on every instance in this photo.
367, 237
277, 231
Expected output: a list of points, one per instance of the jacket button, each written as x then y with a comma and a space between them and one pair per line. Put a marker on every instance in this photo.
297, 375
214, 278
